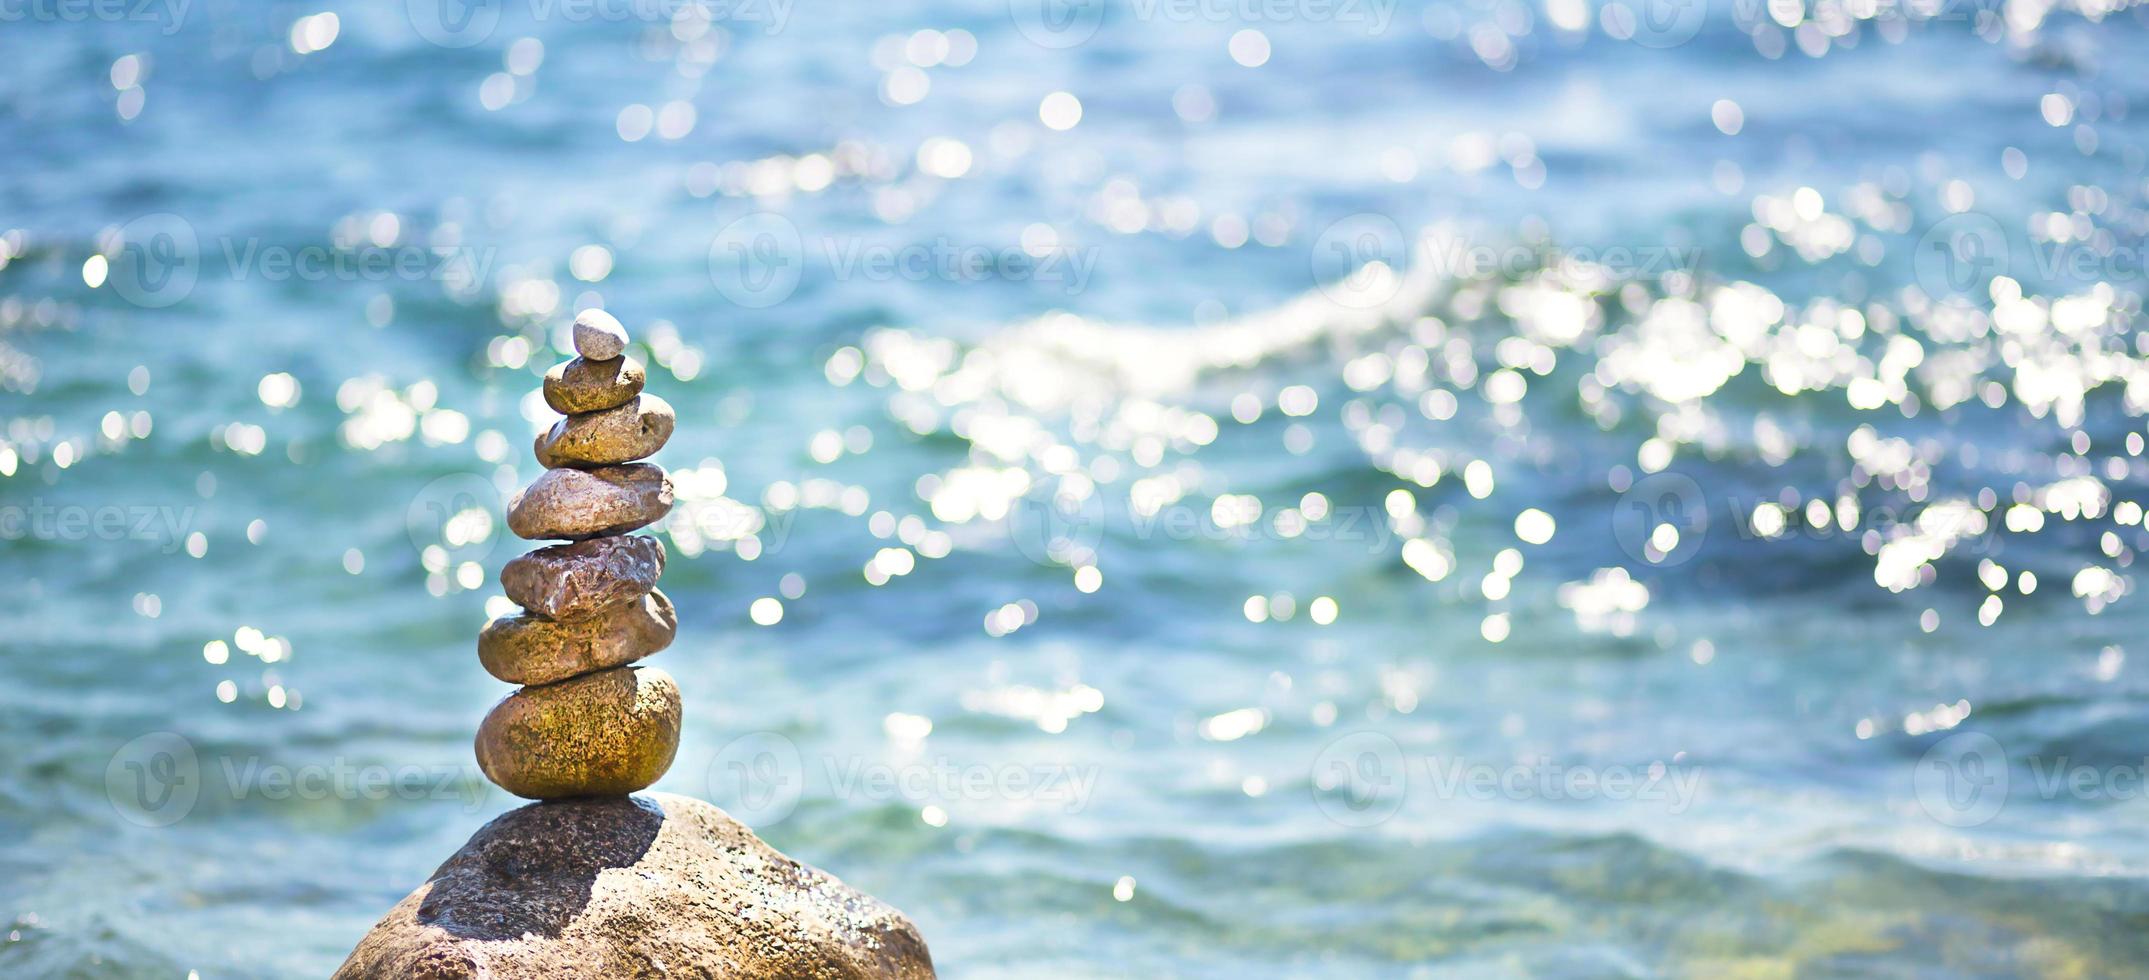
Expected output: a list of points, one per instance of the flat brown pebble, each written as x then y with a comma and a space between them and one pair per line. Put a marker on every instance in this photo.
583, 385
579, 580
530, 649
576, 504
624, 434
602, 734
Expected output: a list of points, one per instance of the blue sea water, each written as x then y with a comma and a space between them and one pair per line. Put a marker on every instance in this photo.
1495, 489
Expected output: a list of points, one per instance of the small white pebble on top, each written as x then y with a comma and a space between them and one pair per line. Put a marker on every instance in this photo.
598, 336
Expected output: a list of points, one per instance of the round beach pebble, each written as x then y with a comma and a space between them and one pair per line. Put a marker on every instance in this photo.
530, 649
579, 580
624, 434
603, 734
576, 504
598, 335
583, 385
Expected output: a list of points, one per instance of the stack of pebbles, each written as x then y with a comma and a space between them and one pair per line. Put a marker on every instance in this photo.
586, 721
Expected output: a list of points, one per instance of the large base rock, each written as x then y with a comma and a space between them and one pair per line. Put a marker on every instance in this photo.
648, 886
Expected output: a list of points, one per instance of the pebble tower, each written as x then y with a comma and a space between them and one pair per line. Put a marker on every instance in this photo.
587, 721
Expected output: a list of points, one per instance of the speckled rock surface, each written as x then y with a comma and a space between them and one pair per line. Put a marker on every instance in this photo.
598, 335
602, 734
527, 649
583, 385
576, 581
576, 504
650, 886
616, 435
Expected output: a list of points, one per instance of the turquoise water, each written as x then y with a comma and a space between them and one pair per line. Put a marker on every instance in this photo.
1486, 489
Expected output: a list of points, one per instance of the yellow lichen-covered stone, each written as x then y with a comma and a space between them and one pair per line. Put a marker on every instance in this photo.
581, 385
632, 431
602, 734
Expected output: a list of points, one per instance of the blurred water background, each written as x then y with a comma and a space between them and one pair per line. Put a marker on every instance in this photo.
1291, 489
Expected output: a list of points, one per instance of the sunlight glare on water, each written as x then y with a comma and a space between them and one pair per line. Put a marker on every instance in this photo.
1496, 488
